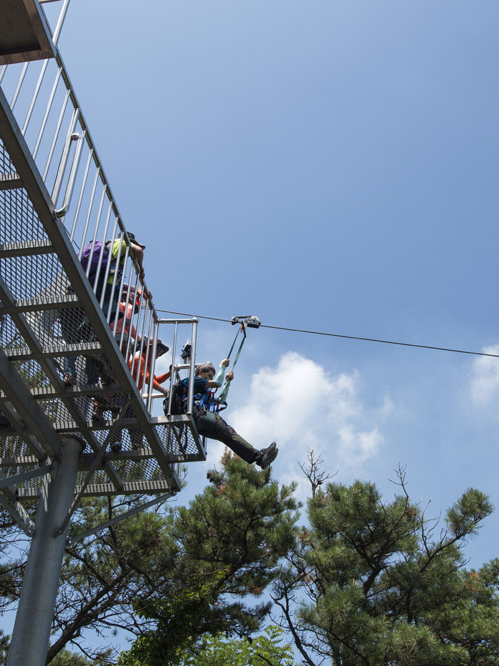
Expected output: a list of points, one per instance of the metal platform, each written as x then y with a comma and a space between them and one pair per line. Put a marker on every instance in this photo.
54, 198
24, 33
79, 349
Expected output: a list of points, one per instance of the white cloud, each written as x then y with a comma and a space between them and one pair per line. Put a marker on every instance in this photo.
484, 385
301, 406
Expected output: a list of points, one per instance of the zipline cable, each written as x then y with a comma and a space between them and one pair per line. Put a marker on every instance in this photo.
346, 337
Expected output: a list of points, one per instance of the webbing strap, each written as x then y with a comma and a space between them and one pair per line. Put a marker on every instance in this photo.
241, 328
238, 353
226, 383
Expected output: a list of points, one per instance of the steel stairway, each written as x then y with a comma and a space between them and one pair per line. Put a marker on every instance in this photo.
54, 199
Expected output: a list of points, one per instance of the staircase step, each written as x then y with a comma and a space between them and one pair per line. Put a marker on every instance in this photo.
26, 248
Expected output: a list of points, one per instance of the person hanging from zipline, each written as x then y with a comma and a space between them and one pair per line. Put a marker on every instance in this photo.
206, 407
212, 425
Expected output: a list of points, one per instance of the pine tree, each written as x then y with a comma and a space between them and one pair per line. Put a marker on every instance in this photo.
229, 543
370, 583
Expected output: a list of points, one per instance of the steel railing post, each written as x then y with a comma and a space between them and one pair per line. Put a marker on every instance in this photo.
192, 366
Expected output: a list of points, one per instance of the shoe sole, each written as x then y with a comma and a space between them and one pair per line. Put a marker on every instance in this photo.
269, 458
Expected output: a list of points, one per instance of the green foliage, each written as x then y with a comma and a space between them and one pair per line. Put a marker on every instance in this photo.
261, 650
104, 575
66, 658
4, 647
366, 583
228, 545
12, 566
383, 588
464, 517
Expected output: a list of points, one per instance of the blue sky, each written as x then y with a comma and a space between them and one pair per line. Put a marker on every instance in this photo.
324, 165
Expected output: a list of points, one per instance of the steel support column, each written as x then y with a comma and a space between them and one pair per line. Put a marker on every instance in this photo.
41, 580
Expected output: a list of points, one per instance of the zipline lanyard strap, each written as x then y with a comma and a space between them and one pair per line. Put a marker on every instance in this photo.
241, 328
226, 383
238, 352
240, 346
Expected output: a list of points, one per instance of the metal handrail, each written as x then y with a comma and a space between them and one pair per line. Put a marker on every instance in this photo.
47, 109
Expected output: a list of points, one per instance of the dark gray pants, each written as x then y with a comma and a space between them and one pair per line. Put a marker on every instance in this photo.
213, 426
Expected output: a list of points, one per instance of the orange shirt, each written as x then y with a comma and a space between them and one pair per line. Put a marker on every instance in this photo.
139, 370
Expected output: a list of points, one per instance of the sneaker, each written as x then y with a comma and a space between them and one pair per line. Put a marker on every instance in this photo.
69, 379
267, 456
116, 447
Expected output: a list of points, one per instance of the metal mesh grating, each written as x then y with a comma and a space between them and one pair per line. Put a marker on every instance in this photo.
9, 334
144, 470
19, 220
13, 448
56, 348
139, 475
32, 373
181, 441
34, 276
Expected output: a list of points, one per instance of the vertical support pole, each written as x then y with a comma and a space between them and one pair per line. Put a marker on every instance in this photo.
35, 613
192, 372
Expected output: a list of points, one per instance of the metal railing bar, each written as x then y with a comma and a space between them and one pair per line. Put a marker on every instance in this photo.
71, 180
70, 137
35, 96
142, 306
178, 321
19, 84
140, 325
192, 371
65, 252
62, 72
84, 125
80, 198
60, 22
108, 267
174, 353
56, 136
153, 365
101, 257
139, 332
125, 327
147, 316
122, 284
137, 359
47, 112
145, 332
87, 221
114, 283
125, 299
